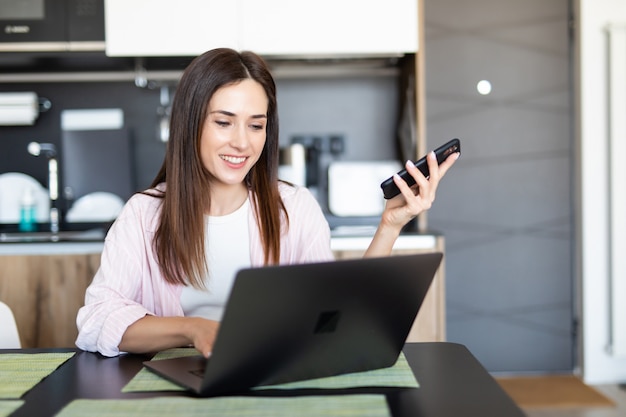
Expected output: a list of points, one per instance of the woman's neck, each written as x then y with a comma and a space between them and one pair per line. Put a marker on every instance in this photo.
227, 199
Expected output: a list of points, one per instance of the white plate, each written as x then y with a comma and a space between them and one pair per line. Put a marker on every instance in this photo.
95, 207
12, 188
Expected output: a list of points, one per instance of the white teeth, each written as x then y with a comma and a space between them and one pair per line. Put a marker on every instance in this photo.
233, 159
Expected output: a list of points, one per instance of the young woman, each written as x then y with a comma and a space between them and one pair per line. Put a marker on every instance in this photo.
215, 206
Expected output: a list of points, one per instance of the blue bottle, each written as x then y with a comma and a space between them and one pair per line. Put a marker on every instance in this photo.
28, 221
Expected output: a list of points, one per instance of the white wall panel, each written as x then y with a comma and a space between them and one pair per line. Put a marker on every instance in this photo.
617, 186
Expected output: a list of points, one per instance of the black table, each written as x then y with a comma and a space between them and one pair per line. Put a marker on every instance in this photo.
452, 383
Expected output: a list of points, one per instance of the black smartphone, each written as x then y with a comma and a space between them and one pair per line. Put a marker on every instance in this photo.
390, 189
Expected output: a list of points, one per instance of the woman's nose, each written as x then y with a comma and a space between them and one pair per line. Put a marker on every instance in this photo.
240, 138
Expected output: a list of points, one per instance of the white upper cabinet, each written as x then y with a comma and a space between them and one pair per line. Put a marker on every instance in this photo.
170, 27
268, 27
329, 27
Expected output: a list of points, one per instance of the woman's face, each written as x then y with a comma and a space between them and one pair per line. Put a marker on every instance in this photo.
234, 131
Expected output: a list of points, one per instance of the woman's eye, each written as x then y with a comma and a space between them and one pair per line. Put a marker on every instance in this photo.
257, 127
222, 123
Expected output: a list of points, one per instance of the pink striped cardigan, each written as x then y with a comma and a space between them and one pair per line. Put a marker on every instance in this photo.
129, 285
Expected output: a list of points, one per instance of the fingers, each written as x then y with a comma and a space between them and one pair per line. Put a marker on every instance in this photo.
426, 187
436, 171
445, 165
204, 348
414, 200
417, 198
424, 183
206, 331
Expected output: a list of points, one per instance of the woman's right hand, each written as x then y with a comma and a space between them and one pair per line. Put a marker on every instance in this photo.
203, 333
154, 334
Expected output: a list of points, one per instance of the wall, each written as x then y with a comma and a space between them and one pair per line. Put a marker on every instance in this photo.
362, 109
505, 207
599, 365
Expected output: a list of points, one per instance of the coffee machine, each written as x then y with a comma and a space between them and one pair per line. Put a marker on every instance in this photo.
306, 159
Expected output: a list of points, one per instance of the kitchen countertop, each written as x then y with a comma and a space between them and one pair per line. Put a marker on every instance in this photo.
74, 239
92, 241
51, 248
406, 241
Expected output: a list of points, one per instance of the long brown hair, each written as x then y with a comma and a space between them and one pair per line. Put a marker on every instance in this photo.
179, 239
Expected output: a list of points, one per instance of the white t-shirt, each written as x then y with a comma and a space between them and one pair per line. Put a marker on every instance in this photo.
228, 250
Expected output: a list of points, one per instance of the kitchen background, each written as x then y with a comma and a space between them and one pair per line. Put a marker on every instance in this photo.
358, 108
360, 104
507, 210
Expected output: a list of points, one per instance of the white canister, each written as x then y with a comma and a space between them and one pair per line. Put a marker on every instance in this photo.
292, 166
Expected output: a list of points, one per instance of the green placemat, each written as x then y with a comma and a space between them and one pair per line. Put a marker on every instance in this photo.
313, 406
398, 375
9, 406
19, 372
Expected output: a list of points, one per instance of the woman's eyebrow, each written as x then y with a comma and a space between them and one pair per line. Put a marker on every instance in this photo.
224, 112
231, 114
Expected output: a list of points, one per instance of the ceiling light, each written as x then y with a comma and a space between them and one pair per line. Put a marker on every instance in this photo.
483, 87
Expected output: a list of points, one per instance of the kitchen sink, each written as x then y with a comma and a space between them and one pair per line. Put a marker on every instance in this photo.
63, 236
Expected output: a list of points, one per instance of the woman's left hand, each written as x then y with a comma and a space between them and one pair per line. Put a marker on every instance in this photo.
409, 203
416, 199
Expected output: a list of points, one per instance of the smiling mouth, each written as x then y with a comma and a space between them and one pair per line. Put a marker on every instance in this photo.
233, 159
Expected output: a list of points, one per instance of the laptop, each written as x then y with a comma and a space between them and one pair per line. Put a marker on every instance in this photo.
296, 322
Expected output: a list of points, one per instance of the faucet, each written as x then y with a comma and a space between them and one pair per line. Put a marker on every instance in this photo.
49, 150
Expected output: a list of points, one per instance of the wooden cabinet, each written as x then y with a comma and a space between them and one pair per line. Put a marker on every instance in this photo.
45, 293
429, 326
270, 27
